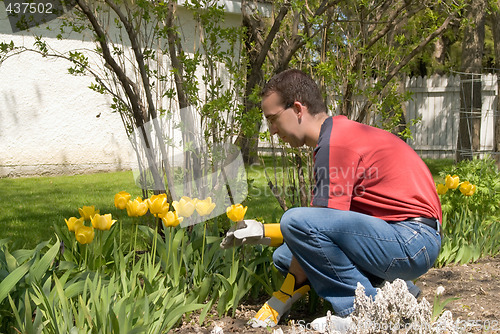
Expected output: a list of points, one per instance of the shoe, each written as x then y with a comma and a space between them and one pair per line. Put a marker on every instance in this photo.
279, 305
413, 289
339, 324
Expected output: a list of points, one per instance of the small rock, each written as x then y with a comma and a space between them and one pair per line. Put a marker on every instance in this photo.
217, 330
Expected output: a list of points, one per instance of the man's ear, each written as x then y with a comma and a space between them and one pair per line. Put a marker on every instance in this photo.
299, 109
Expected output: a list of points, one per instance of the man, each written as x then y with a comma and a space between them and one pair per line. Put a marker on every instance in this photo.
375, 211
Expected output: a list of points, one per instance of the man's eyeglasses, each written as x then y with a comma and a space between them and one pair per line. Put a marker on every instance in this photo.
272, 118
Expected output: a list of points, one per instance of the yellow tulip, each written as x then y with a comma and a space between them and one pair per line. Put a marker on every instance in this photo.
171, 219
236, 212
87, 212
85, 234
185, 206
452, 181
74, 223
442, 189
467, 188
136, 208
102, 222
121, 199
205, 207
158, 204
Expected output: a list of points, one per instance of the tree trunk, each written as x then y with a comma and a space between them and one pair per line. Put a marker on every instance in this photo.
129, 86
257, 49
470, 87
495, 27
192, 162
249, 143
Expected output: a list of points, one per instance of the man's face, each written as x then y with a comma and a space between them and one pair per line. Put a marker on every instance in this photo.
281, 120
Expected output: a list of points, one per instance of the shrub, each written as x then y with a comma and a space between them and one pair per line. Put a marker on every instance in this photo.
484, 175
470, 198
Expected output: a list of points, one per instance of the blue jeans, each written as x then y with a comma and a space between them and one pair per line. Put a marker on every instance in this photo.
337, 249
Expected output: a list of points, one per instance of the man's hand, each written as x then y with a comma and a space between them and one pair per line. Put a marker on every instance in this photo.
245, 232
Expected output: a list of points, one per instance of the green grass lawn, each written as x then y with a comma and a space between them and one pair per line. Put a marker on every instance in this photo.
438, 165
30, 206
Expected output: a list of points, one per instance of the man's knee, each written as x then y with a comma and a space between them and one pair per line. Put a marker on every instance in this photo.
290, 221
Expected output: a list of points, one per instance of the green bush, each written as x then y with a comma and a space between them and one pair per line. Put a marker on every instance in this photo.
484, 174
470, 199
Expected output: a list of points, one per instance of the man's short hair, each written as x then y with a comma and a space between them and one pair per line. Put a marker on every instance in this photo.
294, 85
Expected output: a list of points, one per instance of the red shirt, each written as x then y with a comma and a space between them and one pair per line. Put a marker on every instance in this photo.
368, 170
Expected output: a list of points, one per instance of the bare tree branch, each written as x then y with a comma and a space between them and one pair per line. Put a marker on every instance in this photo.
128, 85
130, 88
346, 106
394, 70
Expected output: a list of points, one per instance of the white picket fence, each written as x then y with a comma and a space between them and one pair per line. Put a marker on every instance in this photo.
436, 102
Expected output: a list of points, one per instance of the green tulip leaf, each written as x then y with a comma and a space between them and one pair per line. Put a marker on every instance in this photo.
177, 313
22, 255
212, 239
74, 289
460, 255
41, 267
11, 261
205, 310
12, 279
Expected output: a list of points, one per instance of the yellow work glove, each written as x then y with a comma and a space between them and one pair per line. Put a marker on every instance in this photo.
280, 303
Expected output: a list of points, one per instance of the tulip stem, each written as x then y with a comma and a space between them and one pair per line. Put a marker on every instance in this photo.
120, 235
203, 246
86, 255
101, 255
135, 240
155, 236
233, 255
169, 246
177, 274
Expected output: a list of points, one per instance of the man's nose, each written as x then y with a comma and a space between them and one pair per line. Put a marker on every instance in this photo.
273, 130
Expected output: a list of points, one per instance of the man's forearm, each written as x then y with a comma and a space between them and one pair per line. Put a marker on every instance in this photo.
273, 231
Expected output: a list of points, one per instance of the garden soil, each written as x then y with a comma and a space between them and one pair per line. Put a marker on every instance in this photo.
476, 287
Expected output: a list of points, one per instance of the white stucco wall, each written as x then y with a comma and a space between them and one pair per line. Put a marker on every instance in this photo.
50, 121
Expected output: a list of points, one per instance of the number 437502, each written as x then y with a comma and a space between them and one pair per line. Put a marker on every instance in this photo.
31, 8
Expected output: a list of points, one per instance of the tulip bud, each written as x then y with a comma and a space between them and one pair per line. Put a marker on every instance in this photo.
87, 212
467, 188
85, 234
121, 199
171, 219
236, 212
205, 207
185, 206
103, 222
158, 204
74, 223
441, 189
452, 181
136, 208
